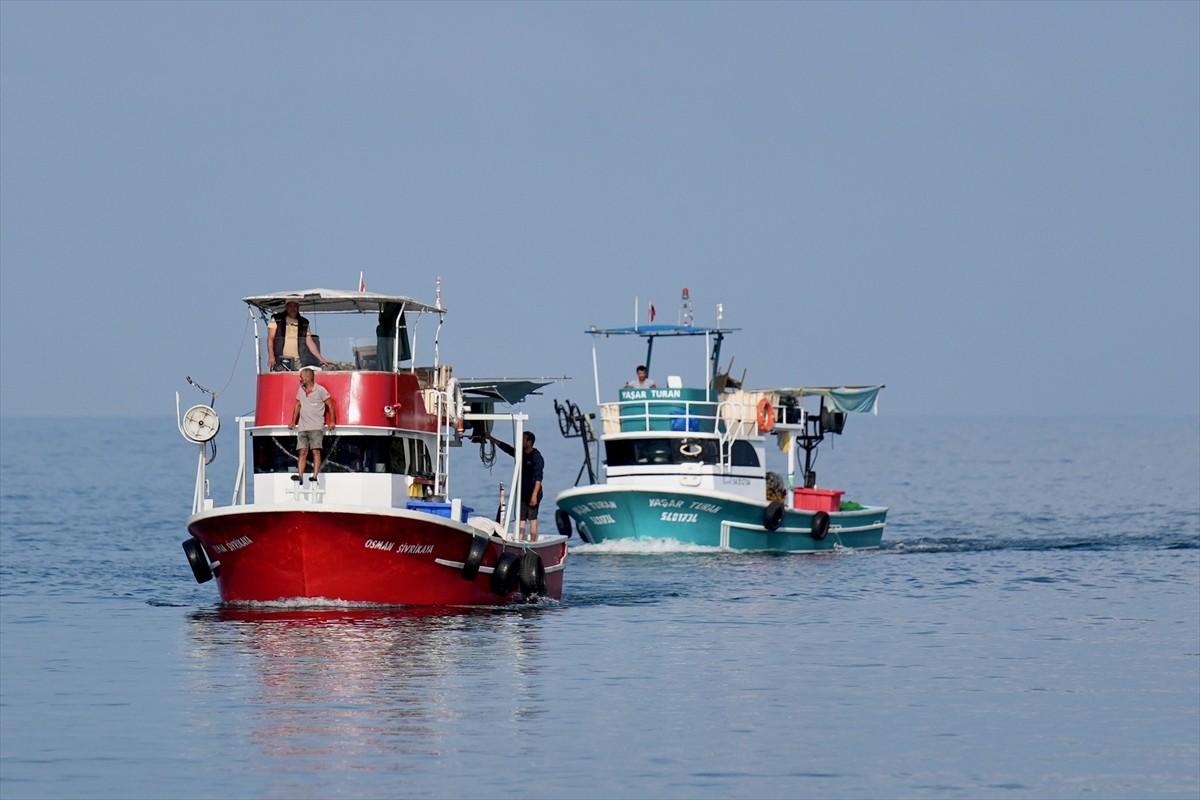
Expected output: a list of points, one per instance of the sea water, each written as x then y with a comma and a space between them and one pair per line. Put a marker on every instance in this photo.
1030, 629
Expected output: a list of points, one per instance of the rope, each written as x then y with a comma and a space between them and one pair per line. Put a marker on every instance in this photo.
213, 394
241, 347
487, 453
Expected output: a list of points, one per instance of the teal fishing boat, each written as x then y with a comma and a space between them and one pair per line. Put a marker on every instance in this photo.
688, 464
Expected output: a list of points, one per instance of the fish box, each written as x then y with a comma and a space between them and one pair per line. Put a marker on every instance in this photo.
440, 509
818, 499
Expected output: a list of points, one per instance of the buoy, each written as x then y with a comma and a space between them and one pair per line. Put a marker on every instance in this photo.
766, 416
454, 401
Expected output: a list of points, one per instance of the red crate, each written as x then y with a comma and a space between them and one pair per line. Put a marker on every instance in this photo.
818, 499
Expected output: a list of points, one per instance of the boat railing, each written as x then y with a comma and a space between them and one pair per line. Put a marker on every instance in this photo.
351, 353
738, 421
647, 415
735, 415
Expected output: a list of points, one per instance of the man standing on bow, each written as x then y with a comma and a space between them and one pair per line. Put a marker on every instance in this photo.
308, 420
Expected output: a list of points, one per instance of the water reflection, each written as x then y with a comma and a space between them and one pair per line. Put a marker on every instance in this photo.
339, 688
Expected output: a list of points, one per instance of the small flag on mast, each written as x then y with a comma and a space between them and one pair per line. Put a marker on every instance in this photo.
362, 287
651, 311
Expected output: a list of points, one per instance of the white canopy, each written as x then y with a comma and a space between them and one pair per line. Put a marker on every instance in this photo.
336, 300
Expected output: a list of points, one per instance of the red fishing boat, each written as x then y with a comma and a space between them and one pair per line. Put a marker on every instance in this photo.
380, 524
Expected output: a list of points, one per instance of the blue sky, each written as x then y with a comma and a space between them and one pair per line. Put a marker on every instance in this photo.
993, 208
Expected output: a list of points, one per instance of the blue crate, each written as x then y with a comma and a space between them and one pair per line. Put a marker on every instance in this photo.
682, 422
440, 509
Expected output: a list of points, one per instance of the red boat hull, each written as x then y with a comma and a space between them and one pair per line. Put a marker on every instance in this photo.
391, 557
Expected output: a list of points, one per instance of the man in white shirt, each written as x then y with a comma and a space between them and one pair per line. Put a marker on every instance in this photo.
643, 380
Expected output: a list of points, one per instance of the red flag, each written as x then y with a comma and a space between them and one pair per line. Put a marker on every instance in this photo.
652, 311
362, 287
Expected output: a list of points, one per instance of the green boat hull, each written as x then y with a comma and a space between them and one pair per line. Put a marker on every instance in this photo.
614, 513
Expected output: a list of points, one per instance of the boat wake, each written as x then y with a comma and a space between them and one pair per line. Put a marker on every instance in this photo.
304, 604
328, 604
953, 544
925, 544
668, 546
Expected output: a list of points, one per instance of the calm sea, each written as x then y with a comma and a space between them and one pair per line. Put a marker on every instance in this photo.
1031, 629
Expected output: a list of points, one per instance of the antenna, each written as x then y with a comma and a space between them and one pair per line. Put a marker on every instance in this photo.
212, 396
685, 309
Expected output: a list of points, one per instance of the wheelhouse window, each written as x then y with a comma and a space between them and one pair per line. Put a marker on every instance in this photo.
398, 455
743, 455
641, 452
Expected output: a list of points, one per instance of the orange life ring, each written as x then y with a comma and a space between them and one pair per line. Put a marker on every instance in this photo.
766, 416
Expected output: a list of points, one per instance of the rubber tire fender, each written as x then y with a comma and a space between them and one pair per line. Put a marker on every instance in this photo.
531, 574
198, 560
474, 557
584, 534
773, 515
504, 574
563, 521
820, 525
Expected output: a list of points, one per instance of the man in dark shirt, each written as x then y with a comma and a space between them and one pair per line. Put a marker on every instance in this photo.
532, 466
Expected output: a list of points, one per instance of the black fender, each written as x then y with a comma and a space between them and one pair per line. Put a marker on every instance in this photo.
531, 574
198, 559
504, 574
563, 520
584, 534
773, 515
820, 525
474, 557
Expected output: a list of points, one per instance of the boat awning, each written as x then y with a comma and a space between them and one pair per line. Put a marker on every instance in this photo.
850, 399
656, 330
336, 300
507, 390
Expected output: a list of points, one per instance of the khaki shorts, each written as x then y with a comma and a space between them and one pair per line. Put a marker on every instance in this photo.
309, 440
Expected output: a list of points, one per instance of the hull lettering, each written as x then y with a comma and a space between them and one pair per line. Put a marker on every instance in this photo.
414, 549
231, 546
595, 505
662, 502
392, 547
